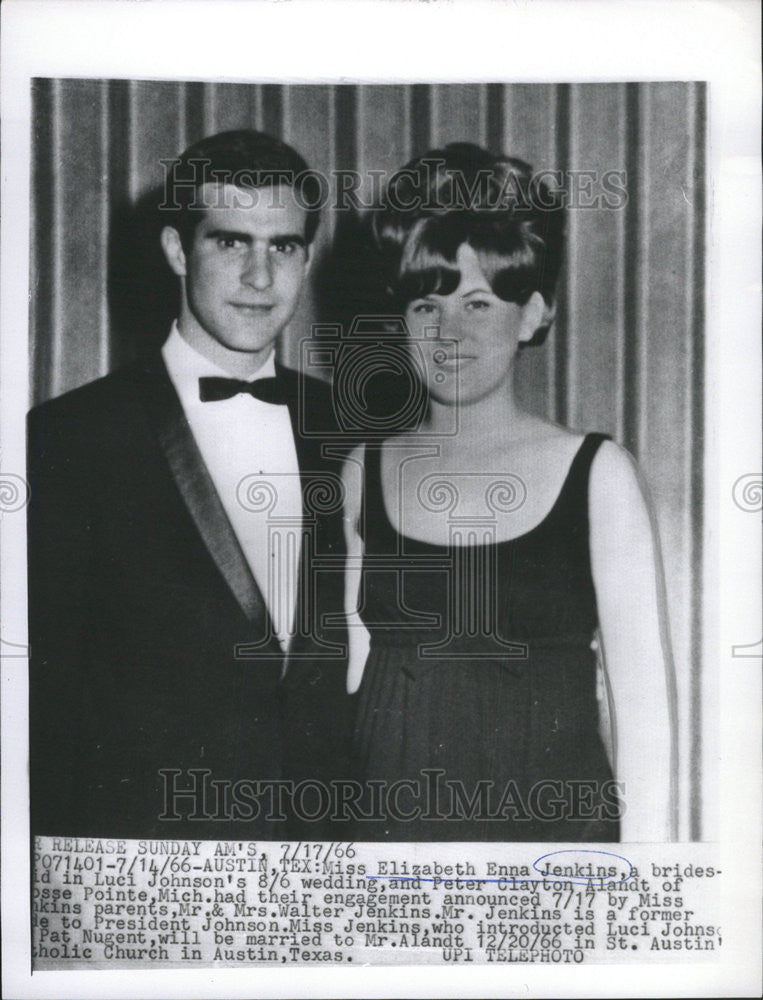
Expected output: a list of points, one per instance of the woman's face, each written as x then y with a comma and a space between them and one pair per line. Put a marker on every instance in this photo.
469, 338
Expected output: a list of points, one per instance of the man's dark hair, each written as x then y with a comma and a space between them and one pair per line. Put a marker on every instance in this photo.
246, 159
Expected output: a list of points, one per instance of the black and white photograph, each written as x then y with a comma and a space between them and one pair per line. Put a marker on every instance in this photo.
368, 494
496, 329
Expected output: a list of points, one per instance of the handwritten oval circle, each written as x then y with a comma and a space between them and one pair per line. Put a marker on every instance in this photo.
584, 880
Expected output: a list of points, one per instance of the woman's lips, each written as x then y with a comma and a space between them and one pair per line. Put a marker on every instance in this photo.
456, 364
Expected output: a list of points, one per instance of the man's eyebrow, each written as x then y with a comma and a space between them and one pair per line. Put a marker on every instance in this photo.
297, 238
228, 234
247, 238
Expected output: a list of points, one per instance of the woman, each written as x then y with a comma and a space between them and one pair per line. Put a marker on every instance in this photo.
493, 552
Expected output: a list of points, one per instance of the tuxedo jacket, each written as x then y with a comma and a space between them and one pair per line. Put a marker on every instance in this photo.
154, 666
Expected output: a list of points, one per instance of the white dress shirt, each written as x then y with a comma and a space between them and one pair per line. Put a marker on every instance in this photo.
248, 448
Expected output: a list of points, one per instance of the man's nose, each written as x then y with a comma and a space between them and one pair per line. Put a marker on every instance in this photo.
258, 269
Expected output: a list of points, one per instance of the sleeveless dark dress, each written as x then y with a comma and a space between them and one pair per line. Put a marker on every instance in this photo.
477, 715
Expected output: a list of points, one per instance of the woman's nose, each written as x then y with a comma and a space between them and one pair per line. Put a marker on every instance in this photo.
258, 269
451, 326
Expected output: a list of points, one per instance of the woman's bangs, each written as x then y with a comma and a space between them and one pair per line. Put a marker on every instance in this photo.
509, 259
428, 264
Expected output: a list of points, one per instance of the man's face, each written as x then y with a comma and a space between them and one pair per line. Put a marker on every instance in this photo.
244, 271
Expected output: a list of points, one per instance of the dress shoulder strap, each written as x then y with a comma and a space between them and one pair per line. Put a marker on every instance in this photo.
373, 516
581, 463
573, 500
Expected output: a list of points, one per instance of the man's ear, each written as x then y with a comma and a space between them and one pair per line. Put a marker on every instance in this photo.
536, 314
173, 250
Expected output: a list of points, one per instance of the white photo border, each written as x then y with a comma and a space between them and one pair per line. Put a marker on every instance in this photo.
591, 40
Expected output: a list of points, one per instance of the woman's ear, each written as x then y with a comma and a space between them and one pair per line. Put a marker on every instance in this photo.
537, 314
173, 250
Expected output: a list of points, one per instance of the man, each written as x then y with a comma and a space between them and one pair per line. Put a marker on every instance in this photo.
180, 576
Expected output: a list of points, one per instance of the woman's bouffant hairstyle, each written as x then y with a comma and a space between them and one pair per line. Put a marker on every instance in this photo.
465, 194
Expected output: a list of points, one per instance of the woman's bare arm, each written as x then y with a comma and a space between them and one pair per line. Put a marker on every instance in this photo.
630, 594
358, 637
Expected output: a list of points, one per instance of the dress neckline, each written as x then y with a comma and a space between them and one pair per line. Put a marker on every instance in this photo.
410, 540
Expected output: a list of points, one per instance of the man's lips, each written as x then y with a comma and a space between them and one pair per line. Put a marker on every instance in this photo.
253, 307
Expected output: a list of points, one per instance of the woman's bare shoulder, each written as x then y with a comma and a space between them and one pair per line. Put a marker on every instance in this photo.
618, 494
614, 467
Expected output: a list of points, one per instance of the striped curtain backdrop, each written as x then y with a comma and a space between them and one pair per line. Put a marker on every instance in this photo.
625, 355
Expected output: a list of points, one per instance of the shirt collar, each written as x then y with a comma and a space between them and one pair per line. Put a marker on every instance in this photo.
186, 366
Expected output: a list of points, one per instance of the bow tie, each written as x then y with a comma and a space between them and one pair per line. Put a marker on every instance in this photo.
214, 388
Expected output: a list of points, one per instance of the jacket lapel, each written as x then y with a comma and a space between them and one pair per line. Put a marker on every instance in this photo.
175, 439
312, 428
